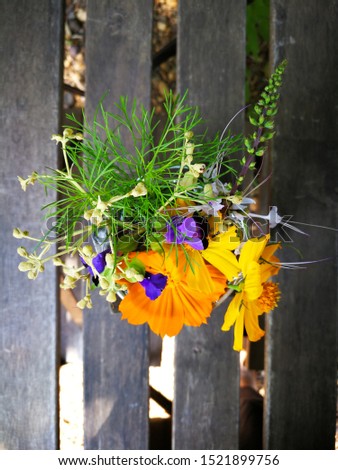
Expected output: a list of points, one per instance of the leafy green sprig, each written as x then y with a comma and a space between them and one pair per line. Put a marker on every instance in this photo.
119, 176
263, 119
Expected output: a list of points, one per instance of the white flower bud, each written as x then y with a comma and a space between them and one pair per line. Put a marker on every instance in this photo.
57, 138
189, 135
25, 266
101, 206
68, 132
199, 168
22, 252
111, 297
133, 275
189, 150
87, 250
89, 303
96, 217
17, 233
32, 275
104, 283
81, 304
110, 260
87, 215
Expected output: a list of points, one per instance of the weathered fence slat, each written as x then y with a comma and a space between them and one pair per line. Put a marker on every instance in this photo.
31, 44
301, 353
118, 58
211, 65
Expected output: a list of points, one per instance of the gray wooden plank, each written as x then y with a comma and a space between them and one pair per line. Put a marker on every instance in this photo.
301, 346
31, 44
118, 56
211, 65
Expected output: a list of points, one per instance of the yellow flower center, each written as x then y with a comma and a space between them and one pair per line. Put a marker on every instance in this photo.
270, 296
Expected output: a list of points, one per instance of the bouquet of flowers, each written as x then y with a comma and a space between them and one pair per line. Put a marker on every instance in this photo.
160, 220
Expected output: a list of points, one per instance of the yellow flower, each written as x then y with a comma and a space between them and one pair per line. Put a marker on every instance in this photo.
187, 298
248, 275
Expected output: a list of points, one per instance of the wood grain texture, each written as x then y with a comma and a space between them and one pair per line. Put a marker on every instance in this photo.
118, 55
301, 347
30, 96
211, 65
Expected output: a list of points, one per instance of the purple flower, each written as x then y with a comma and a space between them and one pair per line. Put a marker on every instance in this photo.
154, 284
99, 263
191, 230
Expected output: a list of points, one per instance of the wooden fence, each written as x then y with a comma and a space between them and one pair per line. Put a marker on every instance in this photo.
300, 347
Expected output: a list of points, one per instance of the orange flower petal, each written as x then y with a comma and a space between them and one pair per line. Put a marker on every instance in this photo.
187, 298
138, 309
268, 270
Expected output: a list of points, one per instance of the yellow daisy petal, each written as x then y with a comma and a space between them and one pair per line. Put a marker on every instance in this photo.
252, 313
253, 283
225, 261
232, 312
238, 331
228, 240
252, 251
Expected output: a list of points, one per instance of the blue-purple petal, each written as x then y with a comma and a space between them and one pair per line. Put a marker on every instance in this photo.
189, 230
99, 262
154, 284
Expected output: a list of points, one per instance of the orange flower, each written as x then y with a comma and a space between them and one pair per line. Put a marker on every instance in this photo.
187, 298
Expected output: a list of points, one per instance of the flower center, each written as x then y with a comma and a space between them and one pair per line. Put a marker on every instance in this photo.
237, 283
270, 296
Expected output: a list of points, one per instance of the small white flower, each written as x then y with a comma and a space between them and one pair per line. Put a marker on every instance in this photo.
240, 203
210, 208
139, 190
274, 219
29, 180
